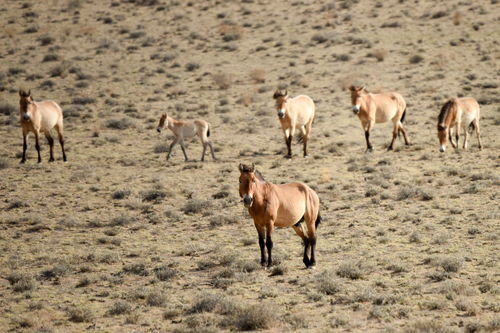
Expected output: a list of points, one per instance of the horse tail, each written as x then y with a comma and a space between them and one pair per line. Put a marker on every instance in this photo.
318, 220
403, 116
208, 131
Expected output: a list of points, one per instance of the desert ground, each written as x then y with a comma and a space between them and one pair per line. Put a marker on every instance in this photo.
117, 239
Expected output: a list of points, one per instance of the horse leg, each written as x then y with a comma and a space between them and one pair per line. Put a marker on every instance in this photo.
457, 133
184, 150
211, 149
466, 138
478, 134
305, 137
25, 146
368, 127
60, 135
51, 144
269, 244
37, 146
394, 136
450, 137
262, 244
299, 230
204, 150
176, 140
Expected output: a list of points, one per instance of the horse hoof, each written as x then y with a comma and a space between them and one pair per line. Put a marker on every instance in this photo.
311, 267
51, 160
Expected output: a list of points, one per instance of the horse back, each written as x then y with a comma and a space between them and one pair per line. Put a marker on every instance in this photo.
468, 109
302, 108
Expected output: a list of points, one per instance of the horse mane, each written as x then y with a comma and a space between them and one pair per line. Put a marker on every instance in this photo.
278, 94
259, 176
444, 111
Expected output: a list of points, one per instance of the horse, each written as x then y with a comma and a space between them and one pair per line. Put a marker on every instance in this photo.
379, 108
295, 113
187, 129
459, 113
289, 205
40, 117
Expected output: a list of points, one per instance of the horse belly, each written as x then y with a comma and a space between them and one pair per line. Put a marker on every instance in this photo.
467, 117
288, 215
382, 116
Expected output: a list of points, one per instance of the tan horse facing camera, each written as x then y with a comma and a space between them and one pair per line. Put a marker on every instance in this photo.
40, 117
187, 129
289, 205
295, 113
458, 113
379, 108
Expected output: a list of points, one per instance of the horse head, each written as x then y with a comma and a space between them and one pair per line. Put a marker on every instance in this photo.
281, 99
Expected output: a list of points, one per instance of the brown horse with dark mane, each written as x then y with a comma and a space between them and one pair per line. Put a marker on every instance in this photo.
289, 205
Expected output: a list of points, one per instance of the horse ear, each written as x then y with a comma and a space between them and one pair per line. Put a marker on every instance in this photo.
362, 88
352, 88
240, 167
276, 94
286, 93
29, 93
253, 167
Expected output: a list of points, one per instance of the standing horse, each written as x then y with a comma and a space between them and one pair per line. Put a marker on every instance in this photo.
295, 113
40, 117
379, 108
459, 113
289, 205
187, 129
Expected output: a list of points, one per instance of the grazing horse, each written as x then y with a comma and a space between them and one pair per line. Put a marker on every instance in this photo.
187, 129
40, 117
379, 108
295, 113
459, 113
289, 205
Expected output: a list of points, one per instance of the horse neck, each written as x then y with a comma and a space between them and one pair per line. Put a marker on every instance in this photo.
260, 193
171, 122
447, 113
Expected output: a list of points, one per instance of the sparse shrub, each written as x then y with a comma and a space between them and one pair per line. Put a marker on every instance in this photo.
223, 80
416, 59
4, 163
121, 220
55, 272
120, 307
350, 269
220, 220
50, 57
327, 285
258, 75
451, 264
191, 66
156, 298
427, 326
83, 100
165, 273
45, 40
21, 282
195, 206
136, 268
120, 194
255, 317
161, 148
379, 54
466, 305
120, 123
278, 270
79, 314
7, 109
155, 195
457, 18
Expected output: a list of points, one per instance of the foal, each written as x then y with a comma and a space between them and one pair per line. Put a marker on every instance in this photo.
40, 117
379, 108
459, 113
295, 113
289, 205
187, 129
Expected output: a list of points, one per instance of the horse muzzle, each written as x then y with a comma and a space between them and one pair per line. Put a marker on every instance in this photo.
281, 114
442, 148
159, 130
355, 109
247, 201
26, 116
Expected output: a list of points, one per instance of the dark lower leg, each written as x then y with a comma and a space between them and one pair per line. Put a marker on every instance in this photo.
306, 260
394, 136
170, 149
305, 147
203, 153
313, 247
269, 245
262, 245
61, 141
184, 152
211, 150
289, 146
25, 146
37, 146
368, 144
51, 145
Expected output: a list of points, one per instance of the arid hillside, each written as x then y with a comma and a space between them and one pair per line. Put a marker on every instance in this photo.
118, 239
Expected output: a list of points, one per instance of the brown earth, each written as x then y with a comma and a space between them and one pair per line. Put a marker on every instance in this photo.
118, 239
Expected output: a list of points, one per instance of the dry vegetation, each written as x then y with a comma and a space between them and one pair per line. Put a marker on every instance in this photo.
117, 239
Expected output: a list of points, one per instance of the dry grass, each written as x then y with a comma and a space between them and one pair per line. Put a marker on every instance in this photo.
118, 238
